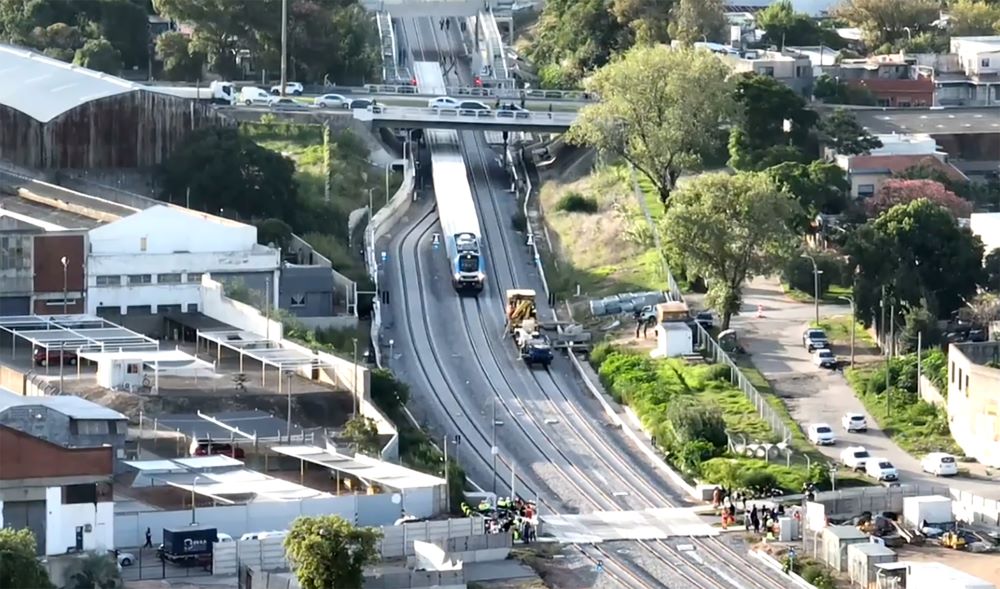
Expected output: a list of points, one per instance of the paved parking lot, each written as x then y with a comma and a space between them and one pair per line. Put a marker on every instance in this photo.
815, 394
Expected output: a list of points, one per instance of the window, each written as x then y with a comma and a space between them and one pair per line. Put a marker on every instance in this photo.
86, 493
90, 427
865, 190
139, 310
298, 300
15, 252
882, 102
904, 103
168, 278
952, 371
194, 277
134, 279
109, 280
142, 244
767, 71
959, 379
984, 62
801, 71
192, 307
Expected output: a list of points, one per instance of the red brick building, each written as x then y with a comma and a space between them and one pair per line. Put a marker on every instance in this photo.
898, 93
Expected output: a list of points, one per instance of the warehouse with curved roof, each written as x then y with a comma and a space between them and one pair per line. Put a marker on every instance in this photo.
55, 115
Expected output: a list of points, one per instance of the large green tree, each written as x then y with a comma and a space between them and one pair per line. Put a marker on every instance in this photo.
728, 229
918, 253
576, 36
180, 61
229, 172
363, 433
783, 26
819, 186
699, 20
973, 17
841, 131
647, 19
660, 110
19, 566
759, 139
884, 21
99, 55
328, 552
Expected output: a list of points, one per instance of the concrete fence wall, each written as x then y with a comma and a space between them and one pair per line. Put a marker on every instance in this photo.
851, 502
217, 305
397, 541
931, 394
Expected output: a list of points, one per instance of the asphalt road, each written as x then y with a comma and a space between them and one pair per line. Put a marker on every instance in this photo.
818, 395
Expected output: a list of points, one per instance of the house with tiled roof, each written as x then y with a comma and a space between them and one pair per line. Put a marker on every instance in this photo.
897, 154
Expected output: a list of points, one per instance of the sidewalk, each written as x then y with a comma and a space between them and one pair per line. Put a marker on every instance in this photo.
813, 394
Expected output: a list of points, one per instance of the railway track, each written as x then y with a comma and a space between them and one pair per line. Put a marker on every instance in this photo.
709, 568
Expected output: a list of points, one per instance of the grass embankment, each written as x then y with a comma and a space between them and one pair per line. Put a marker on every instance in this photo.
351, 177
689, 409
838, 331
600, 239
915, 425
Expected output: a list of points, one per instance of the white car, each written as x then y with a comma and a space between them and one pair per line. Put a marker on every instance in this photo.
125, 559
855, 457
881, 469
263, 535
331, 101
443, 102
824, 358
293, 88
854, 422
940, 464
253, 95
821, 434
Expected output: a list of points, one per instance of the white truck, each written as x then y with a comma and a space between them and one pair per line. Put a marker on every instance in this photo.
217, 92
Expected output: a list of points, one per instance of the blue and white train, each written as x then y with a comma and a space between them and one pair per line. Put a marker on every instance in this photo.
456, 209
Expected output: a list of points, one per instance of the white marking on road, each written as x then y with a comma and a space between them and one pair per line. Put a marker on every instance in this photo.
550, 421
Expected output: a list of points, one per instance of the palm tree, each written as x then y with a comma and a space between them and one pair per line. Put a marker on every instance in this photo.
94, 570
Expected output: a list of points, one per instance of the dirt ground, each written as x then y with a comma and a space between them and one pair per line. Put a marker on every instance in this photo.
986, 566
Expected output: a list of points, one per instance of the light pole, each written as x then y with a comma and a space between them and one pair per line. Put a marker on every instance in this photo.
387, 167
816, 273
288, 425
494, 450
194, 484
354, 391
854, 323
284, 45
65, 285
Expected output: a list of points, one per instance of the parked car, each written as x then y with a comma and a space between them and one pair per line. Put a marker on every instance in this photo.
293, 88
855, 457
284, 103
443, 102
825, 358
939, 464
362, 103
512, 111
815, 339
821, 434
881, 469
125, 559
472, 107
854, 422
331, 101
213, 448
706, 319
250, 95
45, 357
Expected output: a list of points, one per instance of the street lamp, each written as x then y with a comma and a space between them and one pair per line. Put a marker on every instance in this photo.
354, 391
288, 425
854, 322
194, 484
65, 284
816, 273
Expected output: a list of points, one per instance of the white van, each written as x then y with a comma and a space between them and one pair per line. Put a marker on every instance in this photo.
263, 535
940, 464
250, 95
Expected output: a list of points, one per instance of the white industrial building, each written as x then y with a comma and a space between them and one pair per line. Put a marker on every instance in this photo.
154, 260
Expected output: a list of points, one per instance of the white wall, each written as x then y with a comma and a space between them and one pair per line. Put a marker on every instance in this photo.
166, 230
216, 305
987, 227
918, 144
62, 521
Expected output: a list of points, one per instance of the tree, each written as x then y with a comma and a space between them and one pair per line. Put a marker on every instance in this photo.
973, 17
841, 131
99, 55
919, 255
659, 111
19, 566
783, 26
894, 192
832, 91
274, 231
819, 186
93, 571
180, 61
884, 21
227, 171
919, 324
59, 40
363, 433
389, 394
647, 19
327, 551
696, 20
766, 104
576, 37
991, 268
924, 171
125, 25
219, 30
728, 229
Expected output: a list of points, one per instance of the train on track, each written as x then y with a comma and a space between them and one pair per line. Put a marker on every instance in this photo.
456, 209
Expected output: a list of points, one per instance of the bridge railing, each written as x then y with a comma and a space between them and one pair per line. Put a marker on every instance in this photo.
423, 114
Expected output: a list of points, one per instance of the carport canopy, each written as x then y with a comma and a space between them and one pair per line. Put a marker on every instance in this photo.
362, 467
78, 333
262, 349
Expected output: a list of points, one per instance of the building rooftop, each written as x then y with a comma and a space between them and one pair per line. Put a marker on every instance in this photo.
46, 88
979, 44
935, 121
72, 407
221, 426
898, 163
362, 467
44, 216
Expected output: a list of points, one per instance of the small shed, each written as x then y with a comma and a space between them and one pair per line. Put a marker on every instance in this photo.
934, 509
836, 539
862, 560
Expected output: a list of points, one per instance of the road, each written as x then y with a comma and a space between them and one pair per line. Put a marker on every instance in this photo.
553, 440
815, 394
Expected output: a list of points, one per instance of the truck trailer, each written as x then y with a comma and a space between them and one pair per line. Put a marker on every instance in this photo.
191, 545
532, 336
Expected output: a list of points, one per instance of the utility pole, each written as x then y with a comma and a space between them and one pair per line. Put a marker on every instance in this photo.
354, 391
920, 366
854, 323
494, 450
267, 307
65, 286
816, 274
288, 425
284, 45
447, 485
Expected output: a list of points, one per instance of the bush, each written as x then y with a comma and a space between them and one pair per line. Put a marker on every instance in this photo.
574, 202
818, 576
721, 471
690, 421
799, 273
758, 482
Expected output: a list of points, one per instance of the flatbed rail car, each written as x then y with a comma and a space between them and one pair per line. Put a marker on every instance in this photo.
523, 325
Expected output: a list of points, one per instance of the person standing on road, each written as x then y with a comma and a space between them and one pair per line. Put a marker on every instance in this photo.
755, 520
149, 539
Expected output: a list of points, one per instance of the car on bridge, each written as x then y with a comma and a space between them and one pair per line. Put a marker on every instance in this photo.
512, 111
331, 101
472, 108
284, 103
293, 88
443, 102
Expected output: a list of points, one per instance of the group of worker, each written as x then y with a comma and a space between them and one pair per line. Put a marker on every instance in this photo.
509, 516
757, 519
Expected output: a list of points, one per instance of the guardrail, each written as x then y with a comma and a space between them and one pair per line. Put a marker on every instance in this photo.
417, 115
526, 184
702, 337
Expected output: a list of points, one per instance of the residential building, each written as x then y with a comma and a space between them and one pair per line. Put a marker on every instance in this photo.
987, 227
64, 495
65, 420
153, 261
867, 172
824, 60
978, 82
974, 399
814, 8
790, 68
893, 80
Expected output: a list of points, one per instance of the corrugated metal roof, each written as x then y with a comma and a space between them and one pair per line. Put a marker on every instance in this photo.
72, 407
44, 88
